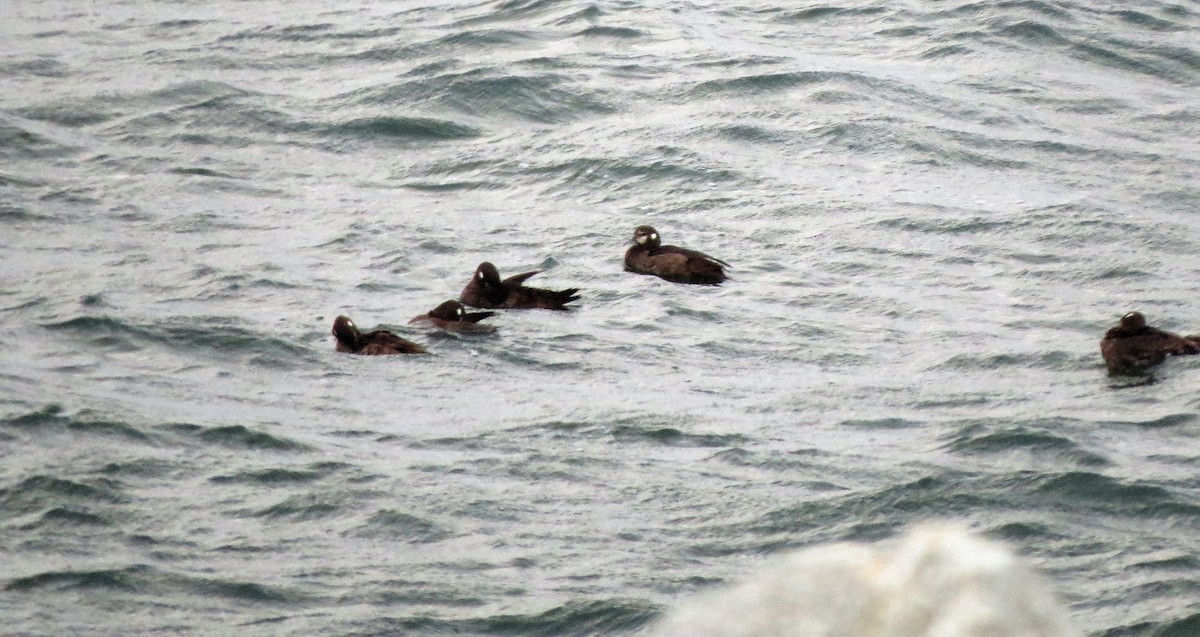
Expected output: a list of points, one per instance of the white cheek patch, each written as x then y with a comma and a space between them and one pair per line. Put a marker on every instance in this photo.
480, 275
654, 236
641, 239
458, 311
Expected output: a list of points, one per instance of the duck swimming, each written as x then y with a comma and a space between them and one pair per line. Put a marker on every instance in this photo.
351, 340
1132, 346
453, 317
486, 290
673, 263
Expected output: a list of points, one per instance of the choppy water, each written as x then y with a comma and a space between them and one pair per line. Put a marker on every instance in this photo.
933, 211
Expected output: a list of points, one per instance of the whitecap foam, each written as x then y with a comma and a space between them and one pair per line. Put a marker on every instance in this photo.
937, 580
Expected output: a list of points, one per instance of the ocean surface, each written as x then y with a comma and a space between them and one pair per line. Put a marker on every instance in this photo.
933, 211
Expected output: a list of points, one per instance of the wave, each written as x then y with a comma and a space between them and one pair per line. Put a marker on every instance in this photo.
58, 500
672, 437
269, 477
1182, 627
533, 95
825, 12
214, 335
883, 423
863, 513
1091, 37
128, 113
747, 85
622, 33
38, 67
402, 527
60, 517
573, 619
413, 129
303, 508
1040, 441
1087, 491
237, 436
23, 140
129, 579
147, 580
53, 418
1162, 422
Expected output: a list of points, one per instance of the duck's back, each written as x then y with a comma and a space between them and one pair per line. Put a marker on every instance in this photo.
383, 342
525, 297
676, 264
1131, 351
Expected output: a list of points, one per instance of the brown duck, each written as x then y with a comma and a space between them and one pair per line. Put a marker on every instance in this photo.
486, 290
379, 342
1132, 346
453, 317
679, 265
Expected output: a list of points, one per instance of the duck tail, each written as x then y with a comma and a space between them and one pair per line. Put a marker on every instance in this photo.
1193, 343
566, 296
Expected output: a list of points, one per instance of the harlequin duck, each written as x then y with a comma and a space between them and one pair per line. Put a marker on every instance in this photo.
486, 290
675, 264
1132, 346
379, 342
453, 317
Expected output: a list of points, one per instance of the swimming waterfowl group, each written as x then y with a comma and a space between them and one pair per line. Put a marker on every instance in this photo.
488, 291
1130, 347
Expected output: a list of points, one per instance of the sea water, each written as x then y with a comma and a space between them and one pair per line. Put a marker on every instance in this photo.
932, 212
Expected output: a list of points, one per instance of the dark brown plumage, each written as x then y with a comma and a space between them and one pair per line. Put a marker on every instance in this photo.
1132, 346
675, 264
379, 342
453, 317
486, 290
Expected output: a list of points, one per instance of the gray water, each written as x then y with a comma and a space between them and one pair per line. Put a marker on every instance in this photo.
933, 211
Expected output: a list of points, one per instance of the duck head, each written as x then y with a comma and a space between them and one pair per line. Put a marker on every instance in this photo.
647, 237
346, 331
448, 311
487, 275
1133, 321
